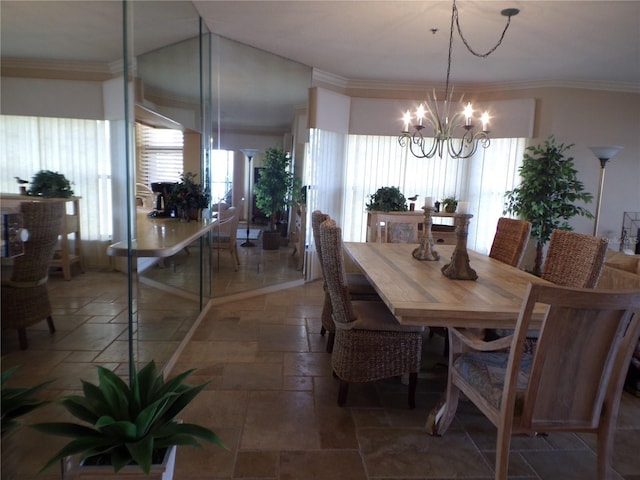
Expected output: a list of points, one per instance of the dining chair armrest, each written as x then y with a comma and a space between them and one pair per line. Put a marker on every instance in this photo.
471, 338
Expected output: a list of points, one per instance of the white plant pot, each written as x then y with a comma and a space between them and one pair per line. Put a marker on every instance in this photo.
72, 470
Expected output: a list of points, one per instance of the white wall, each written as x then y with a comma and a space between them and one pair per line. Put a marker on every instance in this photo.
51, 98
574, 116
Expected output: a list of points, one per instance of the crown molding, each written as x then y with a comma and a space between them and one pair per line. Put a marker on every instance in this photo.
60, 70
421, 88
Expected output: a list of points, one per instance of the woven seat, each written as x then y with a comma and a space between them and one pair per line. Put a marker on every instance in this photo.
573, 382
224, 234
25, 299
359, 286
370, 344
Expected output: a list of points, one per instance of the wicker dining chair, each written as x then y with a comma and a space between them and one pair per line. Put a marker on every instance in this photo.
573, 260
510, 240
370, 344
359, 287
574, 380
25, 298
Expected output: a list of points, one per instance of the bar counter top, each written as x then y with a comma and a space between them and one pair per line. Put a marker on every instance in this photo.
161, 237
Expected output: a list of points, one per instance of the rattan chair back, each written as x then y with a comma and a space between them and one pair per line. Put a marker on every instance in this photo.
510, 240
43, 221
334, 272
574, 259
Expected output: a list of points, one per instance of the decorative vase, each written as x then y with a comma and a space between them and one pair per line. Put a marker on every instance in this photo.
72, 470
450, 208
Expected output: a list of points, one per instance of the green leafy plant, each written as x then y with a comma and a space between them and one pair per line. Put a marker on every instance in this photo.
128, 424
276, 187
48, 184
187, 193
387, 199
449, 204
547, 194
17, 401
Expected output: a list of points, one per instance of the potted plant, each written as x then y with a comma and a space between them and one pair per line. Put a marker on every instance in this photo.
187, 198
17, 401
50, 184
274, 192
387, 199
547, 193
127, 427
449, 204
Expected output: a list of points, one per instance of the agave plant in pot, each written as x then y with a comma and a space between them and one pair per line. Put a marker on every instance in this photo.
129, 429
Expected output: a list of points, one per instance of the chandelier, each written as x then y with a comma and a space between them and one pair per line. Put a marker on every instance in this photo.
454, 132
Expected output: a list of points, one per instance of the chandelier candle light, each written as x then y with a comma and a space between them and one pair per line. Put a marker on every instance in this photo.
454, 132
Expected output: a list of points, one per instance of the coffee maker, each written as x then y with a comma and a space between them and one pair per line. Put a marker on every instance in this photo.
162, 190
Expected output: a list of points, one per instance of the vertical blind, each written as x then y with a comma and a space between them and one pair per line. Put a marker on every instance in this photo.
346, 169
77, 148
159, 154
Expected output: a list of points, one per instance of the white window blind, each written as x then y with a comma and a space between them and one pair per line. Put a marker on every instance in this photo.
159, 153
343, 178
77, 148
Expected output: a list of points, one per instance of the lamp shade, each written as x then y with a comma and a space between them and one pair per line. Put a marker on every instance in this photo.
249, 152
605, 153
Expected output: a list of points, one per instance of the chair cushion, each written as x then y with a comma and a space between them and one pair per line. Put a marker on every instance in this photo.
485, 372
376, 316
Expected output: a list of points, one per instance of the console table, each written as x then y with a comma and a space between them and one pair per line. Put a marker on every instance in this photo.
442, 234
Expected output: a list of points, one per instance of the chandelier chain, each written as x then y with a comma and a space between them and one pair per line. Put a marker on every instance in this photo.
466, 43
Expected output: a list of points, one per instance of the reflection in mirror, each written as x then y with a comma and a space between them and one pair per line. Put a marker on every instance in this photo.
258, 101
168, 107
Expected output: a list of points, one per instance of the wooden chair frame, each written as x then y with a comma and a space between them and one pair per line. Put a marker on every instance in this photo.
576, 374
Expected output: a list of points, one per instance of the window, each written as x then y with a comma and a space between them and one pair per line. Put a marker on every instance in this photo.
342, 179
77, 148
159, 154
222, 176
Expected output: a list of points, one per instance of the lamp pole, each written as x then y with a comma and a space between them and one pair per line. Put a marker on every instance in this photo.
249, 153
604, 154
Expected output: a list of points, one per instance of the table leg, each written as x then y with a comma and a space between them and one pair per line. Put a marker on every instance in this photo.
442, 414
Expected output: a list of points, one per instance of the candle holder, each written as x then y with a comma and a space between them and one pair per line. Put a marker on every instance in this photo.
425, 251
459, 268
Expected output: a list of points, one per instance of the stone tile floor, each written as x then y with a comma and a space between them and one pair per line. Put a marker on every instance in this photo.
272, 397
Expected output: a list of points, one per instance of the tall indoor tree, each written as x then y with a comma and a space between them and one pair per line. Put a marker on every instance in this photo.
547, 193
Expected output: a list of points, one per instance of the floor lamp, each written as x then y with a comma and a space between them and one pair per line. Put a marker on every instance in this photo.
249, 153
604, 154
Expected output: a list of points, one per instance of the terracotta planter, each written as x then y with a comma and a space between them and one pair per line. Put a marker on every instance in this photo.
71, 470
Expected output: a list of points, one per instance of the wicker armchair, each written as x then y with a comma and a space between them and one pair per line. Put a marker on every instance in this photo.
25, 299
370, 344
224, 234
359, 286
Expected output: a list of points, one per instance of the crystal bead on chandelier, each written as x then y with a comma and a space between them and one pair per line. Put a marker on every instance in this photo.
443, 123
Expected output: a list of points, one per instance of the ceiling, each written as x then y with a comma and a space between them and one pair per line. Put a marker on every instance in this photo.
391, 41
562, 42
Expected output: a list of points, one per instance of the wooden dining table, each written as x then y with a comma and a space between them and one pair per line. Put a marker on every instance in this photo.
417, 292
